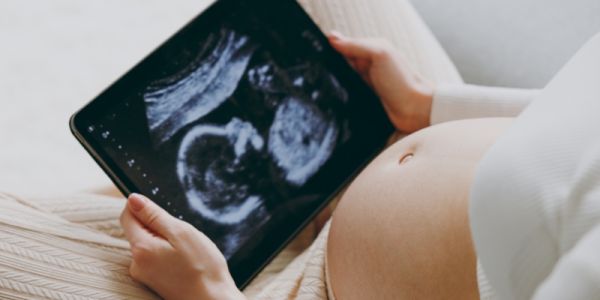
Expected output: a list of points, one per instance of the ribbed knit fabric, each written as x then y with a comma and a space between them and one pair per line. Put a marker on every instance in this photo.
535, 202
99, 212
394, 20
47, 257
457, 102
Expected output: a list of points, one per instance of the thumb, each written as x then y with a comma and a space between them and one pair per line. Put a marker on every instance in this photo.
151, 215
354, 48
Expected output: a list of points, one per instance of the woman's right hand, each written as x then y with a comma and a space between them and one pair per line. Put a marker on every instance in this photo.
172, 257
406, 97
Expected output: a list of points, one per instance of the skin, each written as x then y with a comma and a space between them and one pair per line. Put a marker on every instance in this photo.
401, 229
172, 257
406, 97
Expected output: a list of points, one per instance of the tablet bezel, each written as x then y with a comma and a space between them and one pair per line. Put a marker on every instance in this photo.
242, 271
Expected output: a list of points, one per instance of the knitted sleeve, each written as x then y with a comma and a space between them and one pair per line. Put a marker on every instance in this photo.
463, 101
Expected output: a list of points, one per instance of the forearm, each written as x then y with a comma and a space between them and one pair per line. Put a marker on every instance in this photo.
456, 102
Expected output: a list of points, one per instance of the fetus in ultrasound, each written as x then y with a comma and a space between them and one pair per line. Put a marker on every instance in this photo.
195, 91
249, 129
216, 166
301, 139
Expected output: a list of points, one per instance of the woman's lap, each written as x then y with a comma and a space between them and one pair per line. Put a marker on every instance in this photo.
47, 256
402, 229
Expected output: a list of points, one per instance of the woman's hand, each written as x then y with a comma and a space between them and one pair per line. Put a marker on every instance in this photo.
172, 257
405, 96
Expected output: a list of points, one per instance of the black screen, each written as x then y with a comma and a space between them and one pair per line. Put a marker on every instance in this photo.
243, 124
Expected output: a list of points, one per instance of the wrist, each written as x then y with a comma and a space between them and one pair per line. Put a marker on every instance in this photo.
416, 113
423, 96
224, 288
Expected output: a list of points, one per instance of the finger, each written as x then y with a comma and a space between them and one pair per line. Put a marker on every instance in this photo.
362, 66
136, 273
358, 48
151, 215
146, 260
135, 232
337, 39
354, 63
335, 35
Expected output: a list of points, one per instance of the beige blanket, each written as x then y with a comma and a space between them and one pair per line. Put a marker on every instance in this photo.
73, 248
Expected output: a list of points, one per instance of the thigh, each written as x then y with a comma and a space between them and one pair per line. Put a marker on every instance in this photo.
97, 211
46, 256
401, 230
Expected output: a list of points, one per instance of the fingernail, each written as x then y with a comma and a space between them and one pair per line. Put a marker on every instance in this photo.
336, 35
137, 202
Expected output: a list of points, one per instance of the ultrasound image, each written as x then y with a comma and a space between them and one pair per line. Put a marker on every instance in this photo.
301, 139
191, 94
209, 164
250, 128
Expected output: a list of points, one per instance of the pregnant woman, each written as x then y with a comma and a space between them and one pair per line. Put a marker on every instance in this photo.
472, 204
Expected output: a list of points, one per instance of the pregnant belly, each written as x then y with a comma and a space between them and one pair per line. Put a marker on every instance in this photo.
401, 230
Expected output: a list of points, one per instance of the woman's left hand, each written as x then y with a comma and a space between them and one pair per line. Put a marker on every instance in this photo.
406, 96
172, 257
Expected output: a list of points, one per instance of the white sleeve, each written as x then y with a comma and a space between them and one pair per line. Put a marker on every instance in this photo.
576, 276
456, 102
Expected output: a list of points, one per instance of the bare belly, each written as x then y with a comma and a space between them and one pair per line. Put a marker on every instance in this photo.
401, 230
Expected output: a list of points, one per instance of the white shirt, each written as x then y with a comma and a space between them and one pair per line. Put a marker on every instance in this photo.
535, 200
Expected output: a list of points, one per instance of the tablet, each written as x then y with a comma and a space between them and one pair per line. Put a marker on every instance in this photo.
245, 124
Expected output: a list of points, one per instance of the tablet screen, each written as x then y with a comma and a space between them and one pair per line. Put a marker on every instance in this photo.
238, 126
